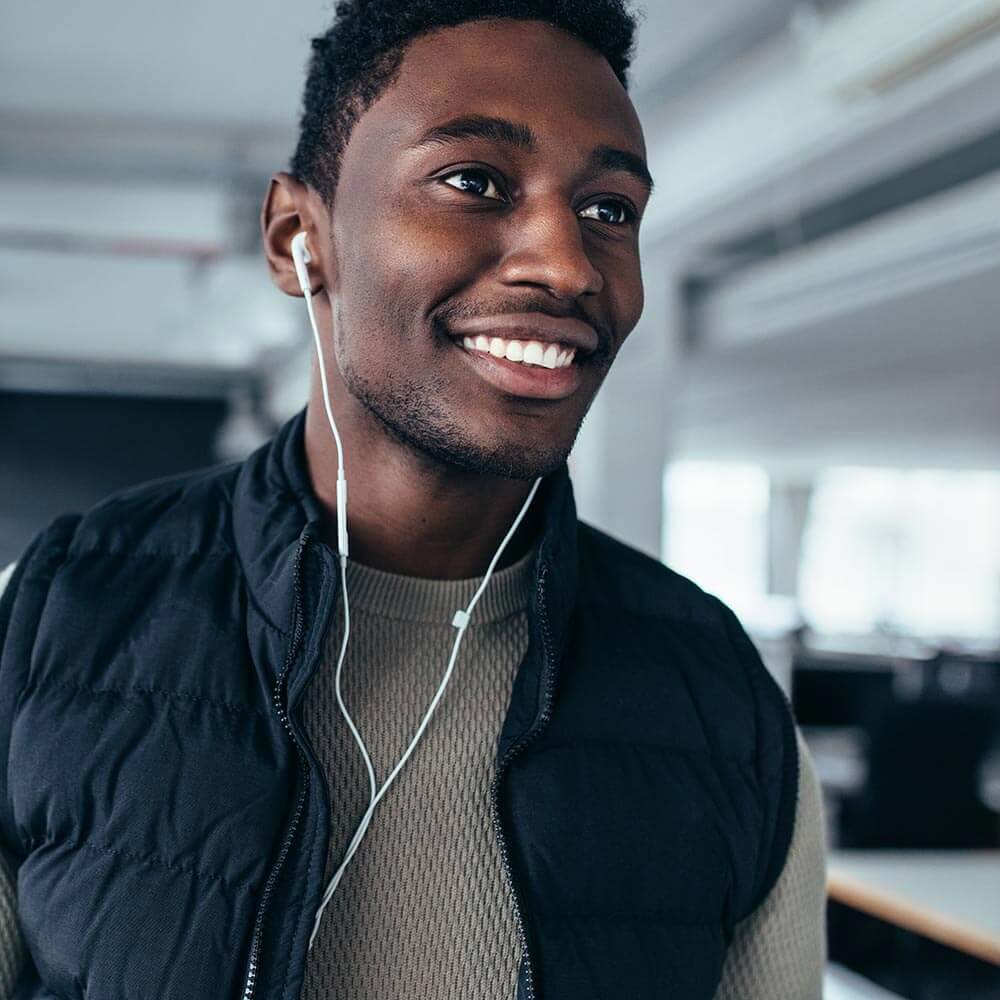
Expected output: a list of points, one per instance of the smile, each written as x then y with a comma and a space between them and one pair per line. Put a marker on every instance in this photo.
526, 369
526, 352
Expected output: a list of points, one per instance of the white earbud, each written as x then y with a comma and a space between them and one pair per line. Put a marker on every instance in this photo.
301, 257
462, 617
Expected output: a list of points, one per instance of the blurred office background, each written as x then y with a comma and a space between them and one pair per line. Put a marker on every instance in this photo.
806, 420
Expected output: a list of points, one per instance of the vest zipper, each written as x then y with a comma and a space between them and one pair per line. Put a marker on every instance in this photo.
280, 704
517, 747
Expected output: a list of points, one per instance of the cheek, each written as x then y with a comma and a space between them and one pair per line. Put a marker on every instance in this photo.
385, 299
627, 300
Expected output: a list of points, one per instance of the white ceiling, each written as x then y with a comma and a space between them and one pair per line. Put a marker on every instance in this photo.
183, 61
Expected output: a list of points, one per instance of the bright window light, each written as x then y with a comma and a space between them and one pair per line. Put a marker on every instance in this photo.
915, 551
715, 528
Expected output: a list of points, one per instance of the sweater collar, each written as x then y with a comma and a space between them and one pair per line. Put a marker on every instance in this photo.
434, 601
274, 504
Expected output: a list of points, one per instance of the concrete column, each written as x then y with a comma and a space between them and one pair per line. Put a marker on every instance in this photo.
787, 514
617, 464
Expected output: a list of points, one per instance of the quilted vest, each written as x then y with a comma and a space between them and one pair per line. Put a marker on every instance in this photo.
166, 817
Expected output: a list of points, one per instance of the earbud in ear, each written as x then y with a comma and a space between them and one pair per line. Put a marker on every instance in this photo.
301, 257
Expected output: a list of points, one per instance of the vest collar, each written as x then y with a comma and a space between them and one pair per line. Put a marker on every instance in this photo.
274, 503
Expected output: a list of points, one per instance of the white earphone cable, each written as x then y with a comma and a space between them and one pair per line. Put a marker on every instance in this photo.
300, 256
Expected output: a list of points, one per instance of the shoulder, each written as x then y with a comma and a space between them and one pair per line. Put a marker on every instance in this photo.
780, 948
619, 577
184, 512
694, 635
627, 584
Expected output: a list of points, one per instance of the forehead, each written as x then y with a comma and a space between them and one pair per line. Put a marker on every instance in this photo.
526, 70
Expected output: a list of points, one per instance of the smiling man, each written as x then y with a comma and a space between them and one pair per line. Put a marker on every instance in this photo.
610, 798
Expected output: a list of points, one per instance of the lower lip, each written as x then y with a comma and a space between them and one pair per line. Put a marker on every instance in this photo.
531, 381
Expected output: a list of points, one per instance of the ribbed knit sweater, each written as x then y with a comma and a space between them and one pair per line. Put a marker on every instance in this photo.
424, 908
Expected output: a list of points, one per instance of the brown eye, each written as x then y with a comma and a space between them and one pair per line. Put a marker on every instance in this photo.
625, 212
481, 181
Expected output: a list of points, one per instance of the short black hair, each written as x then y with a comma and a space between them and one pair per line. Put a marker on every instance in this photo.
357, 58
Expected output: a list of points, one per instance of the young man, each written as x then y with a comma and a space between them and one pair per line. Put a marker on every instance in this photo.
611, 798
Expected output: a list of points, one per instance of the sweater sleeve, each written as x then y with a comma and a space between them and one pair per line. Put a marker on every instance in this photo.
779, 950
10, 935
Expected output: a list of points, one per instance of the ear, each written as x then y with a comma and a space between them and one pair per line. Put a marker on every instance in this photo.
289, 207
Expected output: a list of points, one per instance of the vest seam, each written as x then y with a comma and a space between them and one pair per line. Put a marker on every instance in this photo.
252, 601
747, 762
710, 738
158, 862
120, 549
551, 916
231, 552
696, 618
158, 694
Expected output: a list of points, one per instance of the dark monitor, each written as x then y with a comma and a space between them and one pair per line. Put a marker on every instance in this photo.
831, 693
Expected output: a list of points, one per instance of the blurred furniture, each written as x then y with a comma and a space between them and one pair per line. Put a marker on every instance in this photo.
922, 788
952, 897
907, 748
838, 690
840, 983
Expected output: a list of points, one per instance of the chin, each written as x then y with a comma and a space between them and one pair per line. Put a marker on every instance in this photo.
514, 460
504, 460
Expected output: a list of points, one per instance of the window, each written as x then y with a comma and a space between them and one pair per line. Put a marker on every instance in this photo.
916, 551
715, 529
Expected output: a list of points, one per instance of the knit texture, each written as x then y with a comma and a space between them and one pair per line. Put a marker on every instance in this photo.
424, 901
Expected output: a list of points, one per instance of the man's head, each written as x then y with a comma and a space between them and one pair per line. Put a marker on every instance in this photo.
418, 238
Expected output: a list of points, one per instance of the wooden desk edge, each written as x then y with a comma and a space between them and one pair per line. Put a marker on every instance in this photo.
899, 910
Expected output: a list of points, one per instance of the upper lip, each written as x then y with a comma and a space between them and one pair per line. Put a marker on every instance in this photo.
532, 326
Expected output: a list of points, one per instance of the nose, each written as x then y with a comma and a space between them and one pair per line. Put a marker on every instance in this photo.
546, 248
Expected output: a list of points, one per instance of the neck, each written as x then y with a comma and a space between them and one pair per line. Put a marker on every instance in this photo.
406, 513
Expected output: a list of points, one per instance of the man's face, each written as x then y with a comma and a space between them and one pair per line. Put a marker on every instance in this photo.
428, 242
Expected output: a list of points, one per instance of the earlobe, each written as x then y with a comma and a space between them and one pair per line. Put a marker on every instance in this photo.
286, 211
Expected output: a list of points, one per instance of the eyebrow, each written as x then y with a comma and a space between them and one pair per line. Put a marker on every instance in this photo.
521, 136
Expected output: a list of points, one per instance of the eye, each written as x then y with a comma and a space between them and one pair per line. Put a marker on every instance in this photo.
478, 186
482, 182
626, 212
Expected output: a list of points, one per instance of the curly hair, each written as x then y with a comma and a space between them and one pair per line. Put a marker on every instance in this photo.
359, 56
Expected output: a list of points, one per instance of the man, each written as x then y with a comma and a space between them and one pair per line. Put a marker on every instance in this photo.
611, 800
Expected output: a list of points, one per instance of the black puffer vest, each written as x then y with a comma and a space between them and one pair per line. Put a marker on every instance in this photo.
166, 816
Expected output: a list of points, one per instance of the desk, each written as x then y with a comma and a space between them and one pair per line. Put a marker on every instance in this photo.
952, 897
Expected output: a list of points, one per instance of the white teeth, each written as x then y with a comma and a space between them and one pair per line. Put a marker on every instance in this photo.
529, 352
533, 352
